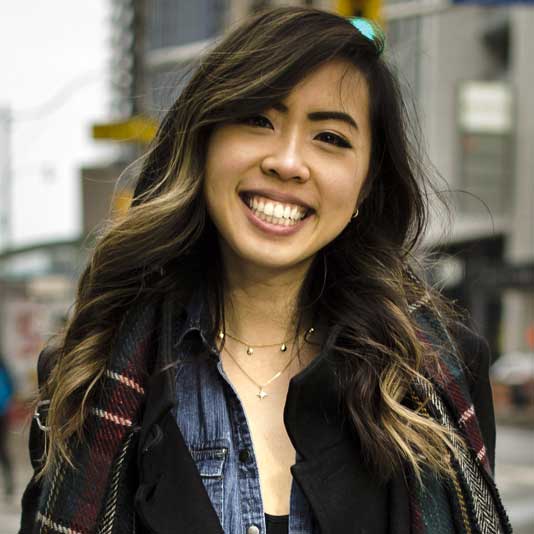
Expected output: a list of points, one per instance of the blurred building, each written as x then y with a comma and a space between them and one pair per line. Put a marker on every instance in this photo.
471, 72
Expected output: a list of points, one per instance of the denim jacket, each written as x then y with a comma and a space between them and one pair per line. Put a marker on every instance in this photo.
212, 420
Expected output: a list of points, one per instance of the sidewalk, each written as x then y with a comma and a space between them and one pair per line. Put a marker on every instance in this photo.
10, 512
514, 470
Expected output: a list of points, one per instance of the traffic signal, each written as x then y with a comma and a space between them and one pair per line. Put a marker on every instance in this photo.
369, 9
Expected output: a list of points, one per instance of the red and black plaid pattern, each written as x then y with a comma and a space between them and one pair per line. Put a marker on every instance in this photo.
477, 507
73, 499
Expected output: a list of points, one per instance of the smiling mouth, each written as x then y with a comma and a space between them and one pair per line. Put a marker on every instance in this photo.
274, 212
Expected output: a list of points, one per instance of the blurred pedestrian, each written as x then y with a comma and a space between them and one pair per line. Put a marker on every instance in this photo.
253, 347
6, 394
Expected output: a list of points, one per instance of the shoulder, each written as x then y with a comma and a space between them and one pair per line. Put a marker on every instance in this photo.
473, 351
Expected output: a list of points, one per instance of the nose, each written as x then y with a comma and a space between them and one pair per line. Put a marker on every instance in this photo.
285, 160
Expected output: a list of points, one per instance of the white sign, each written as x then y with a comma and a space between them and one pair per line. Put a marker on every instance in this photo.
485, 107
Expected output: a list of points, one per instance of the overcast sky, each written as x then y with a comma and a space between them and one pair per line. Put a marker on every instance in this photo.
53, 59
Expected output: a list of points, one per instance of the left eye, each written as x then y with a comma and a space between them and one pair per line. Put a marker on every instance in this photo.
333, 139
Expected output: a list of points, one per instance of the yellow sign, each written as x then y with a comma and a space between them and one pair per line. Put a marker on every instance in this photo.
369, 9
121, 202
137, 129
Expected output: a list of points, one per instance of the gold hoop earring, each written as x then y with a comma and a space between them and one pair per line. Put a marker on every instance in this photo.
355, 214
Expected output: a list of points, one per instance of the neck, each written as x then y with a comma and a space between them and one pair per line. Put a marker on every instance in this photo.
260, 304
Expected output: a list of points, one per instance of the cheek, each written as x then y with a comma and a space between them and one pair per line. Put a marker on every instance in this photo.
220, 167
340, 194
226, 152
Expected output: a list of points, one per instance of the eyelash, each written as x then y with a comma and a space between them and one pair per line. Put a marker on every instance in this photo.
339, 141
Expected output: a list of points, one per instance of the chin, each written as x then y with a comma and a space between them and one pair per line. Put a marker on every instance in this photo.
273, 261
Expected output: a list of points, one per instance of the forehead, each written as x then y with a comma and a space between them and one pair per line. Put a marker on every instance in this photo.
336, 85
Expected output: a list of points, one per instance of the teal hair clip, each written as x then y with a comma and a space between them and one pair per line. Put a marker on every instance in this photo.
369, 30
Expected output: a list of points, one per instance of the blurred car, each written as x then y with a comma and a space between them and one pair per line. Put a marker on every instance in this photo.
512, 377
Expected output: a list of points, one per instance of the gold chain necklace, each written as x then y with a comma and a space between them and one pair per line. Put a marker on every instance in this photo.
261, 392
250, 348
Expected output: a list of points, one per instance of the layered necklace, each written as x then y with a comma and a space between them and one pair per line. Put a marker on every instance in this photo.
249, 349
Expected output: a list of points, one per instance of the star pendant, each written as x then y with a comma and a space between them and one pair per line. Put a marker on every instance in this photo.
261, 394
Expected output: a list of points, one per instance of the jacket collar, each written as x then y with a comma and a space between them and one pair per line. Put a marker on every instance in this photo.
196, 320
176, 322
161, 394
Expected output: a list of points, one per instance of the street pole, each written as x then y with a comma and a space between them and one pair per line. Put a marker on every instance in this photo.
5, 178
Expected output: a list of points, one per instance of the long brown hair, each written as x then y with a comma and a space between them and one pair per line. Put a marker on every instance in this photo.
360, 282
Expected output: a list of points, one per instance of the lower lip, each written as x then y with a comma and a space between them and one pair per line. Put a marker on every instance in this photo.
273, 229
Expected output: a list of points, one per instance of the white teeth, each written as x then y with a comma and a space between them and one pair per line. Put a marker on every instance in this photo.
269, 208
287, 212
276, 210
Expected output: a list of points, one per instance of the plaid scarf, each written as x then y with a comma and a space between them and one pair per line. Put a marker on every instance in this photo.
471, 494
97, 496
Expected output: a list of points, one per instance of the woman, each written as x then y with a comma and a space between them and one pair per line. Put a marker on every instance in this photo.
251, 350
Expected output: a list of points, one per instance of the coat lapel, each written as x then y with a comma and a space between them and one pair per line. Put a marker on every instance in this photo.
346, 497
343, 492
171, 497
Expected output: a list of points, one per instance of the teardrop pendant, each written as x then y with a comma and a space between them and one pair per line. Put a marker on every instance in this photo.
283, 347
250, 351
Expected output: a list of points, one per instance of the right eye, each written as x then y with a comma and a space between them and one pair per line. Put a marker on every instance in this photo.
257, 120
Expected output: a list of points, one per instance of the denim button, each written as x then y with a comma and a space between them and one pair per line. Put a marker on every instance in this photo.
244, 455
253, 529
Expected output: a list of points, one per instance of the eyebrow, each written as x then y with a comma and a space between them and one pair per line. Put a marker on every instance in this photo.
316, 116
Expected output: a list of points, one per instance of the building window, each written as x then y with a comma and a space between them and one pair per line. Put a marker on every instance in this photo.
485, 129
164, 87
172, 23
486, 171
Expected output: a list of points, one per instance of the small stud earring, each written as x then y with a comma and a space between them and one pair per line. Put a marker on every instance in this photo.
355, 214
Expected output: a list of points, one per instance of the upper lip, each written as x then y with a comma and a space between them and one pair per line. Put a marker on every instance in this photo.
277, 196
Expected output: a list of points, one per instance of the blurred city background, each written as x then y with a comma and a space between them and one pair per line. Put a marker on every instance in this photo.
85, 83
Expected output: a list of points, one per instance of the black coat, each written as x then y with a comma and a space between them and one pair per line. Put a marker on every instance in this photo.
168, 494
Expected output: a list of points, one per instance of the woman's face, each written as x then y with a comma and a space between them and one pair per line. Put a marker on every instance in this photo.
281, 185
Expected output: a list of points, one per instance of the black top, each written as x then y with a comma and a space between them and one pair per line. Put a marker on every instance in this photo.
277, 524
